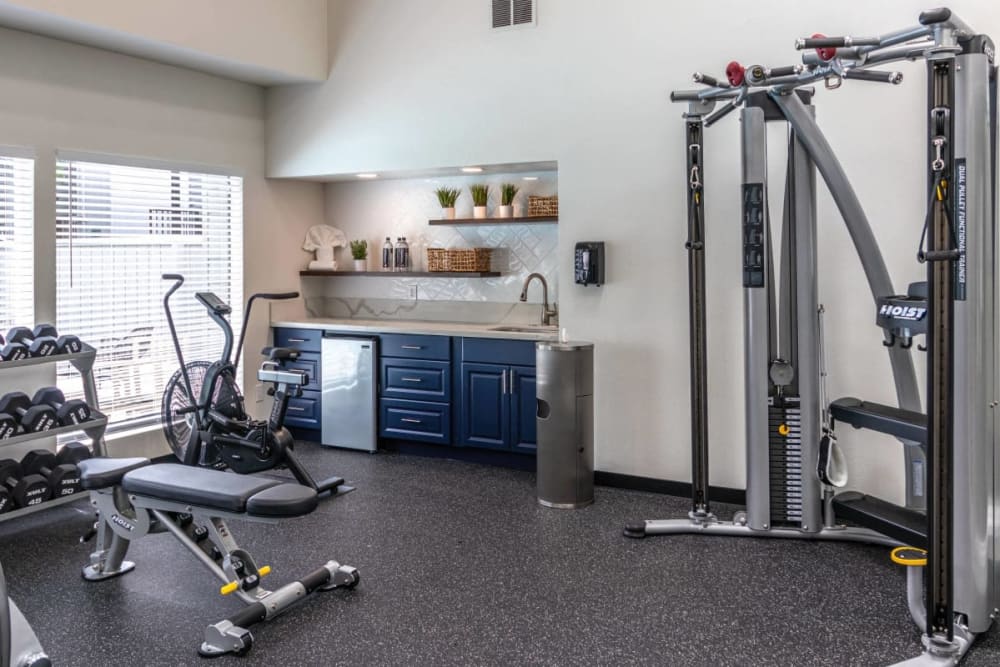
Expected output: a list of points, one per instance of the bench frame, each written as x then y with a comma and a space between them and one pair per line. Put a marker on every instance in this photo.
124, 518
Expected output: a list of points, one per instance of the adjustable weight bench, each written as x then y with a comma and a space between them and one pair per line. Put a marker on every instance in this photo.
134, 498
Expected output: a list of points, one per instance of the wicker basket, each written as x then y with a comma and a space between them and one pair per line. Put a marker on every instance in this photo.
469, 259
543, 205
437, 259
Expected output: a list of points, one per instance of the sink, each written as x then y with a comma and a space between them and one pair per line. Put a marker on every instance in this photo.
528, 329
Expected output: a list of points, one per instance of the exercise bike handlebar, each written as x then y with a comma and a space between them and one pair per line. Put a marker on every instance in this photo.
270, 296
178, 281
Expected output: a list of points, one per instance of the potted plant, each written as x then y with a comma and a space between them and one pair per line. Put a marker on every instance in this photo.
359, 251
507, 193
480, 193
447, 197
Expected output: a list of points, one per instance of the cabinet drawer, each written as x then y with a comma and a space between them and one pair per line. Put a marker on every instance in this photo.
498, 351
415, 420
306, 340
416, 379
416, 347
308, 362
304, 411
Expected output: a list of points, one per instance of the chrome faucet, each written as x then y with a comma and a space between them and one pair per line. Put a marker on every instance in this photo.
548, 314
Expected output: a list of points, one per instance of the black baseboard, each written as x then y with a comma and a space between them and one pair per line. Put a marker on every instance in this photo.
669, 487
501, 459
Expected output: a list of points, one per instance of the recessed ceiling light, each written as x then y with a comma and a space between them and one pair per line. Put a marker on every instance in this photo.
472, 170
529, 178
367, 175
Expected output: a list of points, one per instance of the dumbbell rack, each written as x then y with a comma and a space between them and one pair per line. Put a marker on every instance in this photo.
83, 362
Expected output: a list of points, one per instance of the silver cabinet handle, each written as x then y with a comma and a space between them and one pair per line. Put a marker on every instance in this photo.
512, 386
296, 340
411, 379
410, 421
412, 347
503, 381
295, 409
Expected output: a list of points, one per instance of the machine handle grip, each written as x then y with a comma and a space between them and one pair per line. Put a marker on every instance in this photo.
835, 42
878, 76
787, 70
716, 116
708, 80
173, 276
932, 16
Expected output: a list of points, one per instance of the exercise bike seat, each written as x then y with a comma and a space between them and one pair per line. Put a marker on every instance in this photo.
280, 353
102, 472
218, 490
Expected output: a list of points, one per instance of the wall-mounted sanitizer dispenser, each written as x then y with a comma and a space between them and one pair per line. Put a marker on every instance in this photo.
588, 263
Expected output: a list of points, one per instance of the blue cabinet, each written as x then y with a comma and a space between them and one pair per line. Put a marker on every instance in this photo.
485, 409
498, 399
415, 388
523, 424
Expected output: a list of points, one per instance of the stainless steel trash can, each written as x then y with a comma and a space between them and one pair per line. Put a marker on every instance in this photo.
565, 413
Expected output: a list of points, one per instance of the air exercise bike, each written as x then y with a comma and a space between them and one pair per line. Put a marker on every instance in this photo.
945, 533
203, 413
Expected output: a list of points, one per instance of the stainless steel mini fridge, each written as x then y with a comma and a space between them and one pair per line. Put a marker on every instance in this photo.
349, 381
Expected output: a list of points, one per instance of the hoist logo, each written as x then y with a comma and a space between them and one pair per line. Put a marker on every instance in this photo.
903, 312
127, 525
988, 50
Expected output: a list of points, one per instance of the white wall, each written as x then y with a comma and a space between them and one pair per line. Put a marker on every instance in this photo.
426, 83
373, 210
261, 41
63, 96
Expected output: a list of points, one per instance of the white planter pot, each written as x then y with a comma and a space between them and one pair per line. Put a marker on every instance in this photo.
479, 212
448, 213
361, 265
506, 211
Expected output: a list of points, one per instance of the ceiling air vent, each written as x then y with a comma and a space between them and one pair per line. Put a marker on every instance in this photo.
513, 13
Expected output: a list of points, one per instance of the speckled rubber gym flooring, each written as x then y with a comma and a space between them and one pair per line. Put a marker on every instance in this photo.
460, 566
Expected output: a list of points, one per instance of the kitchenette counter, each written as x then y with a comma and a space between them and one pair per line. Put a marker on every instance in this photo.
497, 330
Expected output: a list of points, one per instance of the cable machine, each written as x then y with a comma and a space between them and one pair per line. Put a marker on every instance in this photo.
945, 533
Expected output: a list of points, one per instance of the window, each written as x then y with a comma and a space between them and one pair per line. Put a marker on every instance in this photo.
118, 229
17, 250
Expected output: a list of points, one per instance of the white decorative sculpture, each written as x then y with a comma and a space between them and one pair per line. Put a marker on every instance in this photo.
323, 239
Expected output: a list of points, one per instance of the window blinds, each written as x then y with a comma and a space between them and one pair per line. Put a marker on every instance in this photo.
17, 251
118, 229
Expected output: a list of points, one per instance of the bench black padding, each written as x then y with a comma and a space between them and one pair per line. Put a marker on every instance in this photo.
215, 489
283, 500
102, 472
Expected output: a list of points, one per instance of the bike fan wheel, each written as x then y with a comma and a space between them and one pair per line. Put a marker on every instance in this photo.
177, 427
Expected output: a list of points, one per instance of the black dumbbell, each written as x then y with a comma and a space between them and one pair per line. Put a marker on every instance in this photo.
12, 351
69, 412
26, 490
33, 418
74, 452
8, 425
40, 343
63, 478
64, 344
6, 500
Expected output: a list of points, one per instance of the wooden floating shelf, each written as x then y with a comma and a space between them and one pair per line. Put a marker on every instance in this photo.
520, 220
405, 274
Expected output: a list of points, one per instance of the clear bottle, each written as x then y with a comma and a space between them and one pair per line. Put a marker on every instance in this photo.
387, 255
402, 255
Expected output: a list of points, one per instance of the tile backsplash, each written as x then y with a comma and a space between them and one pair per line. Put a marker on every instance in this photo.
373, 210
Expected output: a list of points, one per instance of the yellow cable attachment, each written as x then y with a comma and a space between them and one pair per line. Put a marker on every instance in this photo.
941, 188
264, 571
783, 429
909, 556
229, 588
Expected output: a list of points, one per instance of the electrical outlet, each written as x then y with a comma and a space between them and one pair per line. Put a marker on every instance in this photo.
259, 392
413, 291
